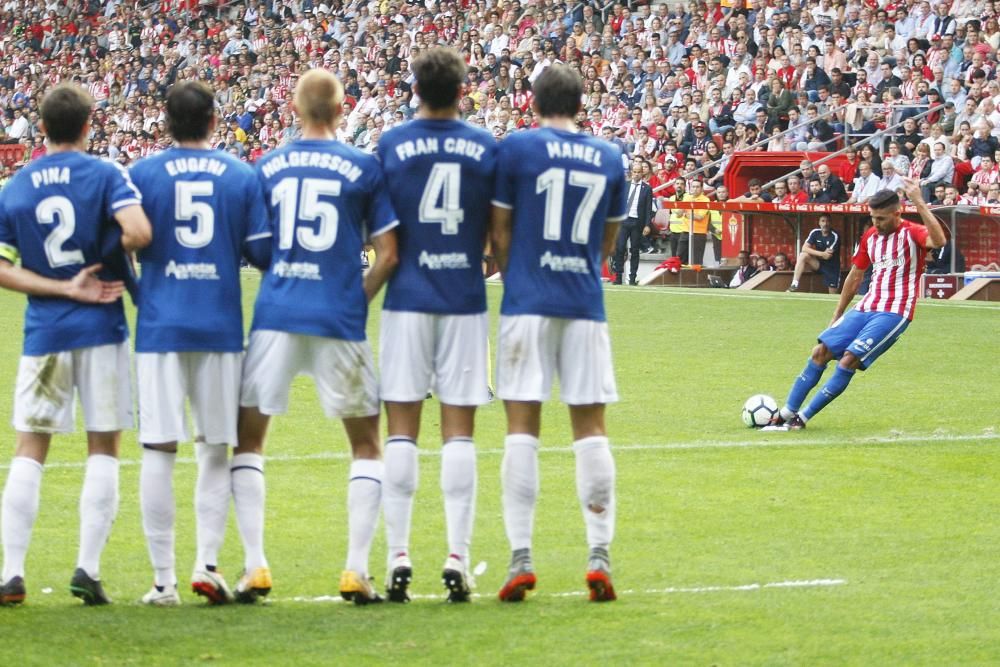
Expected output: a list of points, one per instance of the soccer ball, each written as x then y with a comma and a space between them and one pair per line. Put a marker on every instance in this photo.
758, 410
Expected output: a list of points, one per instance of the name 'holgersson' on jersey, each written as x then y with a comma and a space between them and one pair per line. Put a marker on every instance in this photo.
324, 198
564, 188
204, 206
54, 213
441, 174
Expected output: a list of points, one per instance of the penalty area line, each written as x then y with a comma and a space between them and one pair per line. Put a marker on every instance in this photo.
672, 590
753, 441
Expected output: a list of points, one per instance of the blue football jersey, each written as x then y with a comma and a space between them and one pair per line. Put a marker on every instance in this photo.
55, 213
563, 187
203, 205
324, 199
440, 176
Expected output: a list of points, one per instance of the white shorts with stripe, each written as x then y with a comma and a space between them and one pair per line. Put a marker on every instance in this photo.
446, 354
533, 349
210, 381
43, 399
343, 371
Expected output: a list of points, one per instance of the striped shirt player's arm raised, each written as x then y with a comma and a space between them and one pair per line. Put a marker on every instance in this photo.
935, 233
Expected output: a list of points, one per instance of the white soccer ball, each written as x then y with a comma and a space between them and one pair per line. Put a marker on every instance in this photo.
758, 410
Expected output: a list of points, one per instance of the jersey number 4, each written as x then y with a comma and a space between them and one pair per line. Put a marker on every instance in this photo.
444, 185
553, 183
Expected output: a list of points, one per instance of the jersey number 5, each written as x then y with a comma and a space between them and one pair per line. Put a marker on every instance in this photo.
553, 183
186, 208
295, 203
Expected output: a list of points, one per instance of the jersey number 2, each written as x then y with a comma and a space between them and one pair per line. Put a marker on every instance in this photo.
553, 183
59, 211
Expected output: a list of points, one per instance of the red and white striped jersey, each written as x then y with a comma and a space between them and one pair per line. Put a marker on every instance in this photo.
898, 262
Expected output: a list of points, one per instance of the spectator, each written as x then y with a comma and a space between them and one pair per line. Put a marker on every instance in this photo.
890, 179
942, 171
831, 185
745, 271
865, 185
796, 195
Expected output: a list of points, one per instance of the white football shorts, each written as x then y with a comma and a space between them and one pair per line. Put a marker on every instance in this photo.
43, 399
343, 371
446, 354
209, 380
533, 348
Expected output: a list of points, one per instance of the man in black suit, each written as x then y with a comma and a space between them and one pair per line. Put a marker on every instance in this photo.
640, 214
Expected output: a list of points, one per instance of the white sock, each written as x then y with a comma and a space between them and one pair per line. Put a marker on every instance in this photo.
519, 477
20, 507
458, 484
211, 501
364, 495
595, 486
156, 497
248, 501
98, 509
398, 487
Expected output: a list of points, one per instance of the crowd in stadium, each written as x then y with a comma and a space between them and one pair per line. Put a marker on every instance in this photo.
679, 85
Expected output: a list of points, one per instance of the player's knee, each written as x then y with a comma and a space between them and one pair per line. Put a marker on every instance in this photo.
821, 355
850, 362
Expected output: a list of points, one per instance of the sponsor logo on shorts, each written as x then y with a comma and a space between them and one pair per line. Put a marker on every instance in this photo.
865, 345
444, 260
563, 263
298, 270
192, 271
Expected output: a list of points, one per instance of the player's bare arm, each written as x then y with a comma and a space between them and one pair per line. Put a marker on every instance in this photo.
137, 233
935, 233
386, 259
85, 286
500, 221
850, 290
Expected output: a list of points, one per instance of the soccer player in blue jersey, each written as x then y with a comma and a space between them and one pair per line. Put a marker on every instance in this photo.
57, 214
559, 198
440, 173
324, 199
207, 211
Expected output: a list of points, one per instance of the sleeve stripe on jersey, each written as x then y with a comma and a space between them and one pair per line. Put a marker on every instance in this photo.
501, 204
390, 226
618, 218
257, 237
9, 253
124, 203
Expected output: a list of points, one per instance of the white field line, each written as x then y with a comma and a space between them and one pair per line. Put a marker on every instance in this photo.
754, 440
743, 588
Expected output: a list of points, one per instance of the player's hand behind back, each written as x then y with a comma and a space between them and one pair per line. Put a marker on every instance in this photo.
88, 288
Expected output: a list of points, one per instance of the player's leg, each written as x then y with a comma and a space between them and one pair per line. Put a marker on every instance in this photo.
214, 391
587, 381
620, 241
102, 378
879, 333
461, 382
272, 361
19, 510
526, 360
344, 372
831, 345
406, 358
161, 391
804, 262
43, 401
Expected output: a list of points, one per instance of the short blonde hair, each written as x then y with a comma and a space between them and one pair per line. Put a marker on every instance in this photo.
319, 98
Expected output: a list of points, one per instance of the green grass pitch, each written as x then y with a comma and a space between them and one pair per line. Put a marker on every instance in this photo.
870, 538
